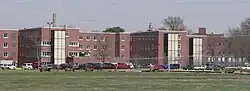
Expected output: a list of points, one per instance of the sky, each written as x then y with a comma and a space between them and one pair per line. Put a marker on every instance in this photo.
132, 15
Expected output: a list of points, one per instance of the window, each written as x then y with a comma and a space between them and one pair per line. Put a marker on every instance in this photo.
94, 38
75, 54
122, 47
88, 47
13, 54
14, 35
80, 37
102, 38
123, 38
87, 37
5, 54
5, 35
46, 54
46, 43
179, 46
5, 45
73, 44
95, 47
13, 44
122, 56
67, 34
81, 46
179, 36
179, 53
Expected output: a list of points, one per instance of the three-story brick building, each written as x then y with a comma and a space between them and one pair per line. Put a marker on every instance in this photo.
9, 44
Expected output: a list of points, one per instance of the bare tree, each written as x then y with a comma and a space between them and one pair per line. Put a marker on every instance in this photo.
37, 45
174, 23
189, 31
211, 48
101, 47
239, 38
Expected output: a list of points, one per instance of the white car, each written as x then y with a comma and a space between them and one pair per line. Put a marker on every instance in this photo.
199, 67
248, 68
27, 66
131, 65
8, 66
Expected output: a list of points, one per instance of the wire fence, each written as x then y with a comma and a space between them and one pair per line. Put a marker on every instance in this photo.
184, 61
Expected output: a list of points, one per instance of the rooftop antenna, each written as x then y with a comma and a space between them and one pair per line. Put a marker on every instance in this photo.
150, 27
54, 20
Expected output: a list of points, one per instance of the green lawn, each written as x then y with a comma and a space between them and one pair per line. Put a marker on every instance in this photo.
118, 81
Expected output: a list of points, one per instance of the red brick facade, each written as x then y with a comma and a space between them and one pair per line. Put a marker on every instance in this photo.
9, 44
37, 41
138, 47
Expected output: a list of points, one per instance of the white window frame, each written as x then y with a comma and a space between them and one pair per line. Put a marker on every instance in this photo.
74, 44
7, 35
45, 54
123, 47
102, 38
46, 43
88, 38
7, 54
95, 47
94, 38
123, 38
66, 34
75, 54
80, 37
5, 46
88, 47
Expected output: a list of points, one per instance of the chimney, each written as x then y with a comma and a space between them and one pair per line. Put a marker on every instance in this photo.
202, 31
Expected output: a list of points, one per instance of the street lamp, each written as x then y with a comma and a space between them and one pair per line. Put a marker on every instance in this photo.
50, 23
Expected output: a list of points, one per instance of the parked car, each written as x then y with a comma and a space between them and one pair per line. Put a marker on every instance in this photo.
246, 67
8, 66
146, 65
189, 67
27, 66
172, 66
122, 66
214, 67
199, 67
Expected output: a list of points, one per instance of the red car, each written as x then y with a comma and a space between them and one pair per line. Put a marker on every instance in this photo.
122, 66
158, 67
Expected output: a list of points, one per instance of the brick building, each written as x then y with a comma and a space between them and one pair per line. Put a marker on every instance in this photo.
214, 46
9, 42
56, 43
160, 47
46, 44
197, 49
116, 45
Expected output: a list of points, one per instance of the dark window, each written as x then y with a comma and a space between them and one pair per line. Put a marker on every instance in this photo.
80, 37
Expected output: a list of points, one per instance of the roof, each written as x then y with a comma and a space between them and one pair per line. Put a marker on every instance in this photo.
48, 27
192, 36
83, 31
5, 29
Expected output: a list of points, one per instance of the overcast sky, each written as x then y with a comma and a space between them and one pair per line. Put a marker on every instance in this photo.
133, 15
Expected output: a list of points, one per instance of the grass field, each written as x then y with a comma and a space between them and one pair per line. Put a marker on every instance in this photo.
118, 81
